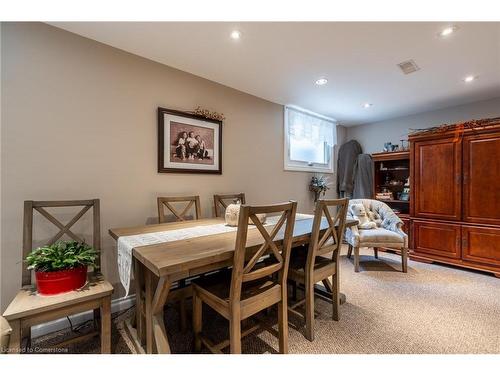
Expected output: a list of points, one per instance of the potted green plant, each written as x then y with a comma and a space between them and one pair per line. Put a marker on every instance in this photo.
61, 267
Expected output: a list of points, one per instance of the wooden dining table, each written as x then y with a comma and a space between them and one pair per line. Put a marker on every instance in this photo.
157, 267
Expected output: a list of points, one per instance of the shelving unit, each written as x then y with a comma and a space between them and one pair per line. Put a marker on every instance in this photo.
393, 166
392, 170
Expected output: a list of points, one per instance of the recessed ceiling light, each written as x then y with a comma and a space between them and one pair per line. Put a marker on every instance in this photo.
447, 31
469, 79
235, 34
321, 81
367, 105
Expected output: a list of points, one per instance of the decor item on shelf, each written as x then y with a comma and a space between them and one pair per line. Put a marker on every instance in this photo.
188, 143
61, 267
359, 214
387, 147
232, 214
319, 185
384, 196
404, 145
394, 148
209, 114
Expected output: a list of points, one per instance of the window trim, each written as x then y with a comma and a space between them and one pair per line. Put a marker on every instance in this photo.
298, 166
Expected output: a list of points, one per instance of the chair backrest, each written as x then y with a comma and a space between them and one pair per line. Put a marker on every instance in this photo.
64, 229
221, 202
182, 216
329, 239
249, 248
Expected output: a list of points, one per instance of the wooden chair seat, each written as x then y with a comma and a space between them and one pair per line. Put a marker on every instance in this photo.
28, 303
323, 268
214, 290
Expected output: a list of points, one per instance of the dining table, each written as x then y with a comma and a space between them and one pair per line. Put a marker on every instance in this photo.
159, 266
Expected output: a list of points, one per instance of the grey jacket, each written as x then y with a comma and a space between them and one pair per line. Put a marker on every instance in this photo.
348, 154
363, 177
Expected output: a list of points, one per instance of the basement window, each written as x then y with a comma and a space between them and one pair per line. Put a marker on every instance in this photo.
309, 141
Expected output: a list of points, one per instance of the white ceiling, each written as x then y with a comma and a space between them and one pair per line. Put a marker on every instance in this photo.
281, 61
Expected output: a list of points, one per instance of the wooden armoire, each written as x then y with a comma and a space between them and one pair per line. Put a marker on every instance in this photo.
455, 195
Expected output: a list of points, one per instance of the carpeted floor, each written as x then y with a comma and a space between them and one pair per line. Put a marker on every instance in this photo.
432, 309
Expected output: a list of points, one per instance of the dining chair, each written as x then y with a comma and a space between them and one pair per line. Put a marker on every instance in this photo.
169, 203
321, 260
251, 286
221, 202
29, 308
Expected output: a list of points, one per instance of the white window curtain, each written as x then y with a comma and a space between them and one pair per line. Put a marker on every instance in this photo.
309, 140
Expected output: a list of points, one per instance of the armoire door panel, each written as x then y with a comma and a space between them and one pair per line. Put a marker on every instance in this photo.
481, 244
481, 178
437, 238
437, 186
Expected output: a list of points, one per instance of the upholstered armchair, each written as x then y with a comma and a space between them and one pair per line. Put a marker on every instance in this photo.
389, 234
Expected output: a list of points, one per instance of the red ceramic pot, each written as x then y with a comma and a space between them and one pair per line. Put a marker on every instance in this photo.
56, 282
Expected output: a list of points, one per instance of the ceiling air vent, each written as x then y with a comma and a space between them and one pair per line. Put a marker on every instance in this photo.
408, 66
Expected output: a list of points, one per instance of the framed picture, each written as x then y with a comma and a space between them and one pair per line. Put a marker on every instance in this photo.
188, 143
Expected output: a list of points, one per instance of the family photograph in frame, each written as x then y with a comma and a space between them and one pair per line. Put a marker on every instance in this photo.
188, 143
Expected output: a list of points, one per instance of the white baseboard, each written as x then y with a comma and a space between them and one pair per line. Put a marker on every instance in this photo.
119, 304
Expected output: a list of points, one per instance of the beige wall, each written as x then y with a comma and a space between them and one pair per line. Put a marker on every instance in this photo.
79, 121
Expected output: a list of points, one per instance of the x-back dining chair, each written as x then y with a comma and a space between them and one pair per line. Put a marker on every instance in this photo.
316, 266
168, 202
251, 286
29, 308
221, 202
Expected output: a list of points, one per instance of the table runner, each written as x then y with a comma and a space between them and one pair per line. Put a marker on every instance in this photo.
127, 243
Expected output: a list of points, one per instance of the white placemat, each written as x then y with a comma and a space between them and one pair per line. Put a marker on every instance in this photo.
127, 243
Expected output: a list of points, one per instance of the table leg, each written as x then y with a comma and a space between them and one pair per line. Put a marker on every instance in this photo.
139, 308
155, 315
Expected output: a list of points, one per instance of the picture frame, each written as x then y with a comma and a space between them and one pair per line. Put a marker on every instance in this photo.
188, 143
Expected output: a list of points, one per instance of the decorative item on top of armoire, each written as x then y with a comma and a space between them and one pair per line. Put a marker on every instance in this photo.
391, 172
454, 203
319, 185
346, 165
188, 142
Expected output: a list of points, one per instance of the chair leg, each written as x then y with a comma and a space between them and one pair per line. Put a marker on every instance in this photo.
197, 321
15, 337
336, 296
97, 318
349, 251
235, 333
183, 314
309, 311
106, 325
375, 252
356, 259
283, 326
404, 259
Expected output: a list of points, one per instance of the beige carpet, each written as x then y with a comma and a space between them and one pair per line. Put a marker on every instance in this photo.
432, 309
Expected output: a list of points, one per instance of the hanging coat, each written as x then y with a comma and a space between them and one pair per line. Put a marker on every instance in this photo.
348, 154
363, 177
